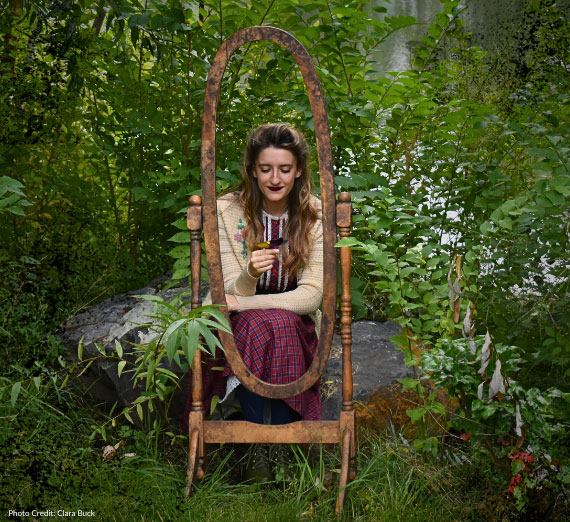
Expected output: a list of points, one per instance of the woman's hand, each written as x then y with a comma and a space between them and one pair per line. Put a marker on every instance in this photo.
233, 305
261, 261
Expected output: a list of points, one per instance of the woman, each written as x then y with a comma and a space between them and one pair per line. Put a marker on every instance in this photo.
274, 293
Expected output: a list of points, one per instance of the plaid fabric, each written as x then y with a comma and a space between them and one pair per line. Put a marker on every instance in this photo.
277, 345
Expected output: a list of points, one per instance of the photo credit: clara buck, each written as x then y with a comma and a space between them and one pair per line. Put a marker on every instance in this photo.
55, 513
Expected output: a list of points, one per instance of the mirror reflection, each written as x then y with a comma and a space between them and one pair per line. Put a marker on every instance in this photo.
271, 248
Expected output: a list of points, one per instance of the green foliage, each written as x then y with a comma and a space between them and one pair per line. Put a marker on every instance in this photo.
453, 172
542, 413
177, 331
12, 197
466, 154
50, 461
104, 128
517, 417
445, 171
491, 408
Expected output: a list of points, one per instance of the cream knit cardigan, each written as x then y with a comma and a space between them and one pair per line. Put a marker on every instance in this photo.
305, 299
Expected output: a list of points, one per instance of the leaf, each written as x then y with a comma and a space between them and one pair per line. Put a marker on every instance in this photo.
219, 316
410, 384
214, 403
215, 325
180, 251
211, 340
467, 323
416, 415
472, 346
435, 30
192, 340
180, 237
100, 349
174, 326
118, 348
80, 348
518, 420
86, 368
171, 344
16, 387
120, 367
37, 382
485, 353
480, 391
485, 228
138, 20
16, 210
496, 385
10, 184
140, 412
181, 273
180, 224
506, 223
348, 241
150, 297
433, 262
455, 291
542, 153
381, 259
173, 377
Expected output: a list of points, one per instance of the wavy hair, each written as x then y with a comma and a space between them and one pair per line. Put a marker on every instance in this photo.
302, 214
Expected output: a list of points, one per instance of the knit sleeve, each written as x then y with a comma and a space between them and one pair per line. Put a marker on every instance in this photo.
307, 297
237, 280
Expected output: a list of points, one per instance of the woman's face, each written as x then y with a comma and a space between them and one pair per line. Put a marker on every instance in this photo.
275, 171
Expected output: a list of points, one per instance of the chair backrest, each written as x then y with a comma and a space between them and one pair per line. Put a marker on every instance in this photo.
313, 86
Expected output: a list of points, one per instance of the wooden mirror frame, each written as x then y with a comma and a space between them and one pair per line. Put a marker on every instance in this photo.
211, 238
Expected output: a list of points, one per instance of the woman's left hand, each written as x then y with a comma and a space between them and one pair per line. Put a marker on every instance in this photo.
233, 305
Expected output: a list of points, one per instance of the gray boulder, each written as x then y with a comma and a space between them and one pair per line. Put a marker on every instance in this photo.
376, 362
119, 318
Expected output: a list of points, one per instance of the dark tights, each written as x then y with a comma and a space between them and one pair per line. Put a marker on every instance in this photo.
253, 406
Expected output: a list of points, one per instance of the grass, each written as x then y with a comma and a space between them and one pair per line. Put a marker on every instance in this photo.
51, 462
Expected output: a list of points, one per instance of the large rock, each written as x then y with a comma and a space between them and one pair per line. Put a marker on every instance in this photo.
118, 318
376, 363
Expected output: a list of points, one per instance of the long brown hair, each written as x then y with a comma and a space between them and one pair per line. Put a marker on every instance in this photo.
302, 214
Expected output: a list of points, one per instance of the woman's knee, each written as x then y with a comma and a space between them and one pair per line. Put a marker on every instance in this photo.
285, 318
269, 319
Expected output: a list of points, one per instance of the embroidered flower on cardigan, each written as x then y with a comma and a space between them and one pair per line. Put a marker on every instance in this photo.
238, 237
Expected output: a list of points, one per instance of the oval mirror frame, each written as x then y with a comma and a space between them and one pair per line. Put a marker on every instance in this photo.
211, 238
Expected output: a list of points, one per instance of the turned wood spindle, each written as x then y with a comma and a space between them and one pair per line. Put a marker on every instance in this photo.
195, 227
344, 221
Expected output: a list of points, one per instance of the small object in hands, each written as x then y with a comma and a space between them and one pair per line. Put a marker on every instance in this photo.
274, 243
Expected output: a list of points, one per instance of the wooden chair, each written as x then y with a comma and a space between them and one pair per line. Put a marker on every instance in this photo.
334, 214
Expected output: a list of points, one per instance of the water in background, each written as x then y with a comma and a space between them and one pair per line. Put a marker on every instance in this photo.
490, 21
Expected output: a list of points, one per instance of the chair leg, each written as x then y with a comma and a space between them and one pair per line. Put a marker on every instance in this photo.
344, 478
352, 468
193, 460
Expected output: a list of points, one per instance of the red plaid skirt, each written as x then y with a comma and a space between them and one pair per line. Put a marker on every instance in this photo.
278, 347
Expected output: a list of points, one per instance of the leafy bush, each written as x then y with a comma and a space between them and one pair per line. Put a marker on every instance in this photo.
177, 331
466, 154
522, 429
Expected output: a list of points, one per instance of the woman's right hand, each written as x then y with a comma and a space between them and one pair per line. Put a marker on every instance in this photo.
262, 260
